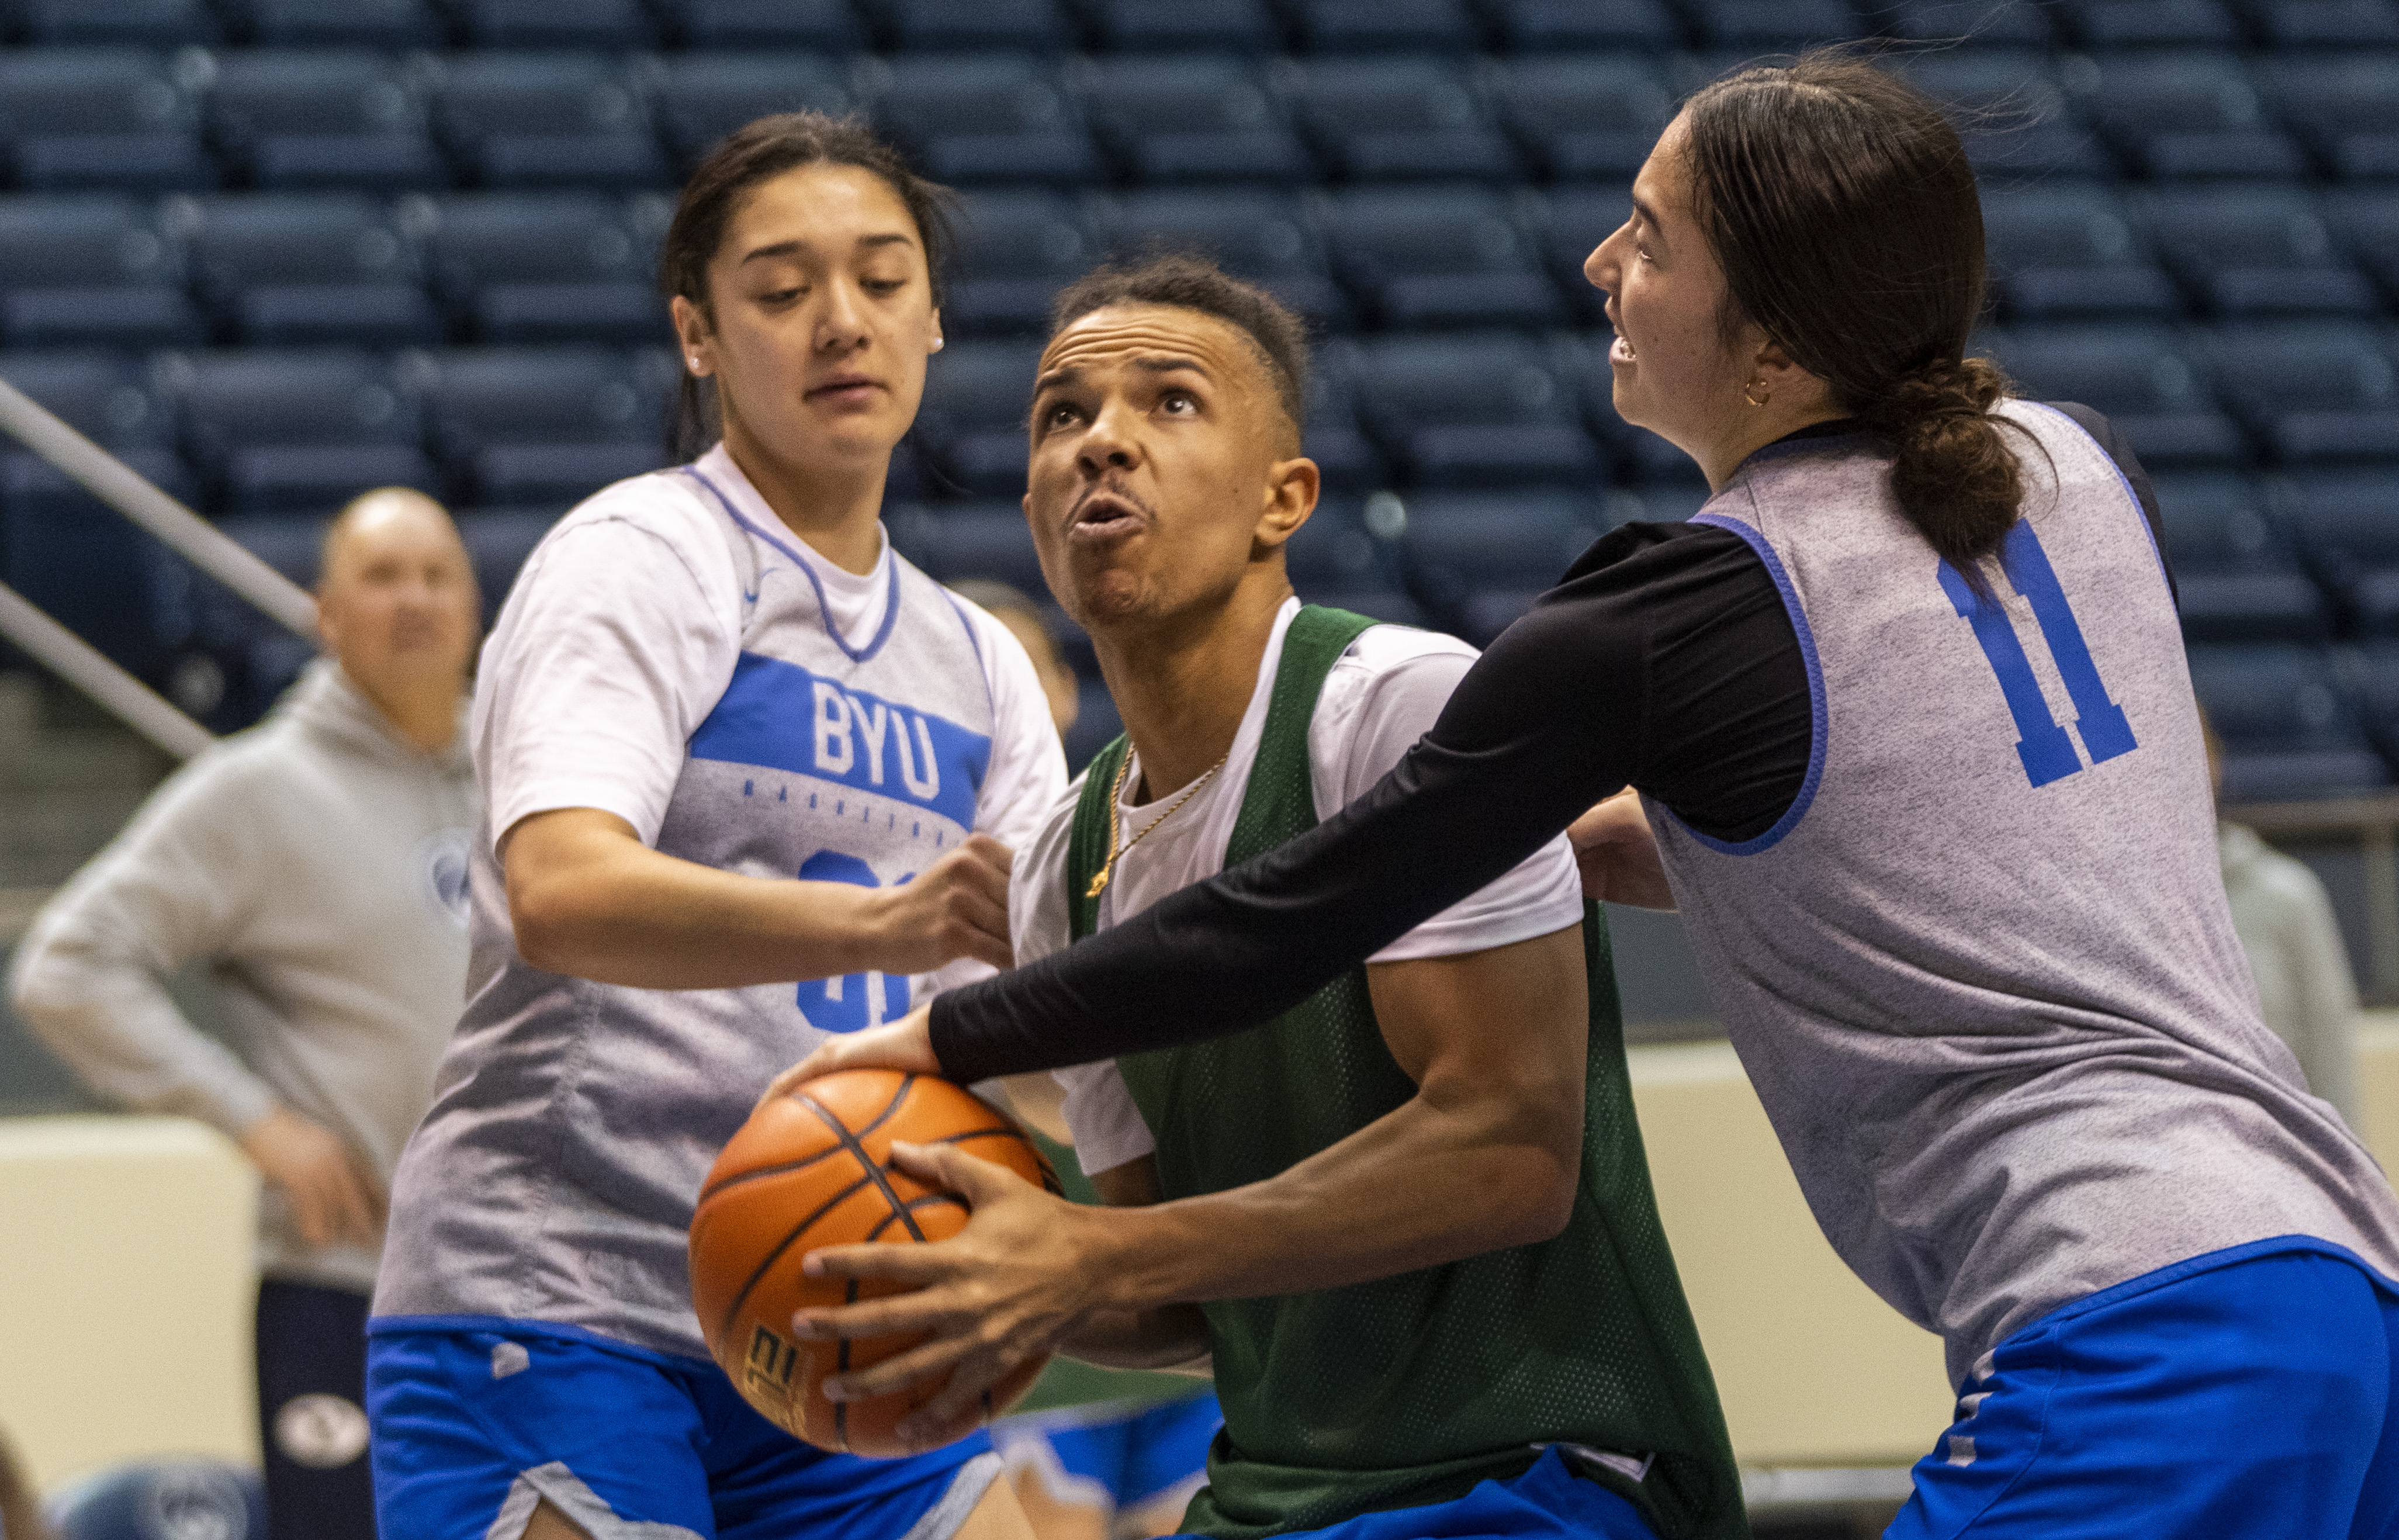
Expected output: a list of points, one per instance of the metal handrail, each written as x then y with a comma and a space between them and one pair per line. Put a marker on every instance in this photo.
83, 665
125, 489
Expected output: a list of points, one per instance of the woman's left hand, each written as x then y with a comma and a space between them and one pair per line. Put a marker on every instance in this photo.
1011, 1286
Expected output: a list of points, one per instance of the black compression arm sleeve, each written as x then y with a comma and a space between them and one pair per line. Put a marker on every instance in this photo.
1545, 724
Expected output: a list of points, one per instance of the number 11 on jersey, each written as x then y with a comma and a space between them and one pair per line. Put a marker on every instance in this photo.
2047, 752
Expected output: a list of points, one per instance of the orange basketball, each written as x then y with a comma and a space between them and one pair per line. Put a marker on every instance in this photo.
809, 1170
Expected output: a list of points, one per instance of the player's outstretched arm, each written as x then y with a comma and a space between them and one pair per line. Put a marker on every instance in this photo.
1487, 1155
589, 898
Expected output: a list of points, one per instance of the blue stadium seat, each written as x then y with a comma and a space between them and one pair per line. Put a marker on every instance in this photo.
277, 431
66, 551
545, 120
2326, 24
1582, 117
2235, 569
310, 119
2317, 392
983, 539
829, 26
497, 542
1759, 25
2067, 251
1226, 26
1476, 559
547, 24
286, 268
156, 23
700, 98
1374, 118
1438, 256
2140, 377
90, 268
80, 120
2145, 24
1334, 439
1984, 24
2344, 106
1383, 26
1264, 236
1473, 411
976, 398
2012, 111
984, 118
2187, 114
231, 661
1192, 118
2290, 724
524, 426
319, 24
2365, 224
1016, 250
1565, 227
924, 26
537, 267
1542, 26
2348, 529
1333, 553
2250, 251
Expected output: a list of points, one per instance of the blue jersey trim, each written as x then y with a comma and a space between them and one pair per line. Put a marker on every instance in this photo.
518, 1326
1818, 728
824, 615
2132, 498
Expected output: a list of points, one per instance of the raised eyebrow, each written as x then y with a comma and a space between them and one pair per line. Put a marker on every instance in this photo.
1056, 378
1165, 363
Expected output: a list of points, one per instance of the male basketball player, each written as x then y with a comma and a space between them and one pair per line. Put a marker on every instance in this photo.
1422, 1251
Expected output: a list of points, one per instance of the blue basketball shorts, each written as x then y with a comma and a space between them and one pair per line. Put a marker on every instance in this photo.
477, 1420
1112, 1455
2245, 1393
1548, 1501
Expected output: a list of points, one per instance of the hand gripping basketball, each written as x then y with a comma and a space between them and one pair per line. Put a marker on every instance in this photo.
813, 1169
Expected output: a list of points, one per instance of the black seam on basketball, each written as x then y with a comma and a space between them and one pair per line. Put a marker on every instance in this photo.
734, 1310
928, 1201
758, 1172
892, 1106
859, 1150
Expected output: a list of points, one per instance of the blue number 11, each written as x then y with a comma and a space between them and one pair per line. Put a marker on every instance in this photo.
2047, 752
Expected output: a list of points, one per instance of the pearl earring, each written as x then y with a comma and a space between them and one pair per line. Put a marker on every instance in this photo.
694, 363
940, 343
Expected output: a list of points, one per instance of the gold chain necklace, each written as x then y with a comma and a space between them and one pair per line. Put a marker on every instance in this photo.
1115, 792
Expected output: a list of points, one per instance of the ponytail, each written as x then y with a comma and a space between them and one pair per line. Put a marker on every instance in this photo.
1955, 476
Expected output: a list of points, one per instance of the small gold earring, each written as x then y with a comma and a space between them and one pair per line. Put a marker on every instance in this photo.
1751, 400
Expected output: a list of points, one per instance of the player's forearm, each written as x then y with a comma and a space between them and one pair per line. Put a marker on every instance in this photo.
1169, 1337
612, 910
1425, 1185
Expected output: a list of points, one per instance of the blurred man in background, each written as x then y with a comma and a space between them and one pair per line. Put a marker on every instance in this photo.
2284, 920
1022, 619
317, 866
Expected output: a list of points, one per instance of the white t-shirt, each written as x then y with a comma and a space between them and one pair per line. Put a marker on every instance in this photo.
588, 694
1382, 695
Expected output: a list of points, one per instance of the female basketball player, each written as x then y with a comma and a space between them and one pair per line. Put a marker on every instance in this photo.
727, 741
1908, 708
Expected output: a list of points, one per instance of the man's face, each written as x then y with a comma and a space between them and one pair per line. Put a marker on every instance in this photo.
397, 600
1163, 465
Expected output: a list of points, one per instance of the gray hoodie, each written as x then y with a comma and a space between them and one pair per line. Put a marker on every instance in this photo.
317, 864
2304, 986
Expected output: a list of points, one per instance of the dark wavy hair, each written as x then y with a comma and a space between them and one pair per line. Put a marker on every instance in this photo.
755, 153
1840, 205
1187, 281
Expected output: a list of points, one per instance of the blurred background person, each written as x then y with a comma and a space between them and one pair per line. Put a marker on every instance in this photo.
317, 866
2284, 920
1022, 619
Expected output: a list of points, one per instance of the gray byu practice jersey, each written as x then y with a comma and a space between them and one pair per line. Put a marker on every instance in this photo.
554, 1180
1983, 972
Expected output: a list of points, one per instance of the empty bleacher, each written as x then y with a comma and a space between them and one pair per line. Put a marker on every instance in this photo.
275, 250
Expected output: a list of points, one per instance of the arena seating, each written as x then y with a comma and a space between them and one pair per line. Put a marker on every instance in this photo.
272, 251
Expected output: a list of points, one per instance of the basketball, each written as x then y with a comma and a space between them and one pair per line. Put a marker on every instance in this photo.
811, 1170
